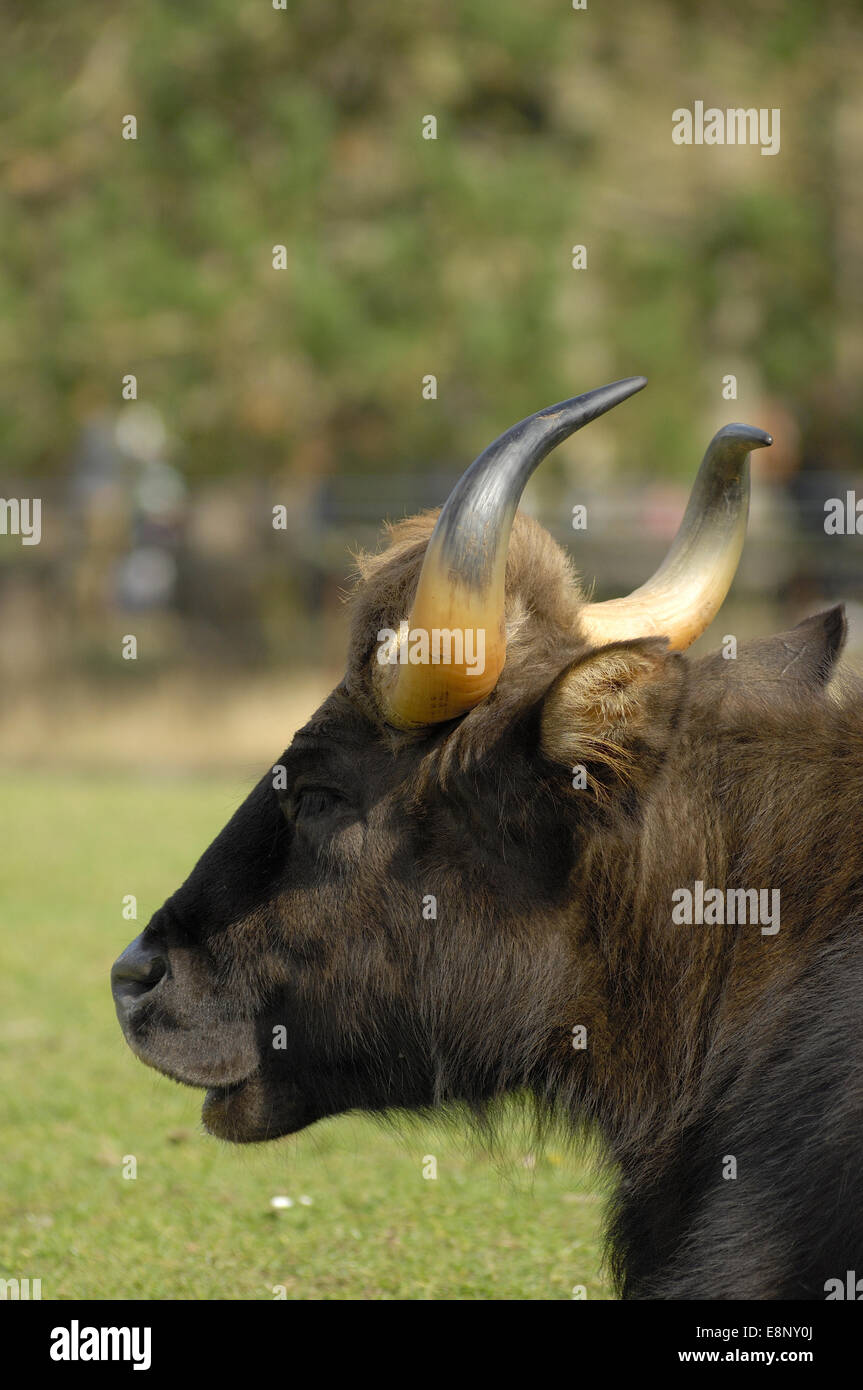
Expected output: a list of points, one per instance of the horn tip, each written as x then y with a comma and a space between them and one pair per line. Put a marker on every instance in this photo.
746, 434
628, 386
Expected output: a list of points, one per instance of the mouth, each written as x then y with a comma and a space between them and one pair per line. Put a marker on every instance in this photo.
250, 1110
247, 1112
222, 1110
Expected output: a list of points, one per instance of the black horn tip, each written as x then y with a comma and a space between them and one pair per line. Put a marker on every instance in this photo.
581, 410
616, 391
745, 434
627, 386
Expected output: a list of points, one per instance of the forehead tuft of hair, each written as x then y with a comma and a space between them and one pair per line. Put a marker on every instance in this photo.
543, 600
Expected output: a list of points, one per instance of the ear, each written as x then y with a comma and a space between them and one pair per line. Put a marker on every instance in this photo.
614, 713
799, 660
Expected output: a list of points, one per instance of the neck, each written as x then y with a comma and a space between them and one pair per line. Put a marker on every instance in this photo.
775, 813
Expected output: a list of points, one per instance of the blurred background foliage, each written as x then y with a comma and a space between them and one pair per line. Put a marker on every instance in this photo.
405, 257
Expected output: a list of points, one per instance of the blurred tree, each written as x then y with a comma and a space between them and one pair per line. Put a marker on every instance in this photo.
409, 256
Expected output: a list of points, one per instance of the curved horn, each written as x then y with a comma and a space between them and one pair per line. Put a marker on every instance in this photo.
461, 585
686, 592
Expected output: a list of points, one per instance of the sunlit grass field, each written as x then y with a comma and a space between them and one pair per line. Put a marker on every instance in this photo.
197, 1221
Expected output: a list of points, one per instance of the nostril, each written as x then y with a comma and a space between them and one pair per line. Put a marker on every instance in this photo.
138, 970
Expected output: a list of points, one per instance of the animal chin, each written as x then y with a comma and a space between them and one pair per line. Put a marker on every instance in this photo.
247, 1113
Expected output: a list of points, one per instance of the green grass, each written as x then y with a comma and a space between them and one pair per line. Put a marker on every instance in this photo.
197, 1221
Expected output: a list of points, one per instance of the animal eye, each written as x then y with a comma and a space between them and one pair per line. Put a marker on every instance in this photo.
315, 801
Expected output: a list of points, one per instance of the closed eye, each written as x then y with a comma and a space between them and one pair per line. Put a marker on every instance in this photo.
310, 802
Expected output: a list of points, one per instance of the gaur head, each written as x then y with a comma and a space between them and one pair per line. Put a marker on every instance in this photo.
431, 888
